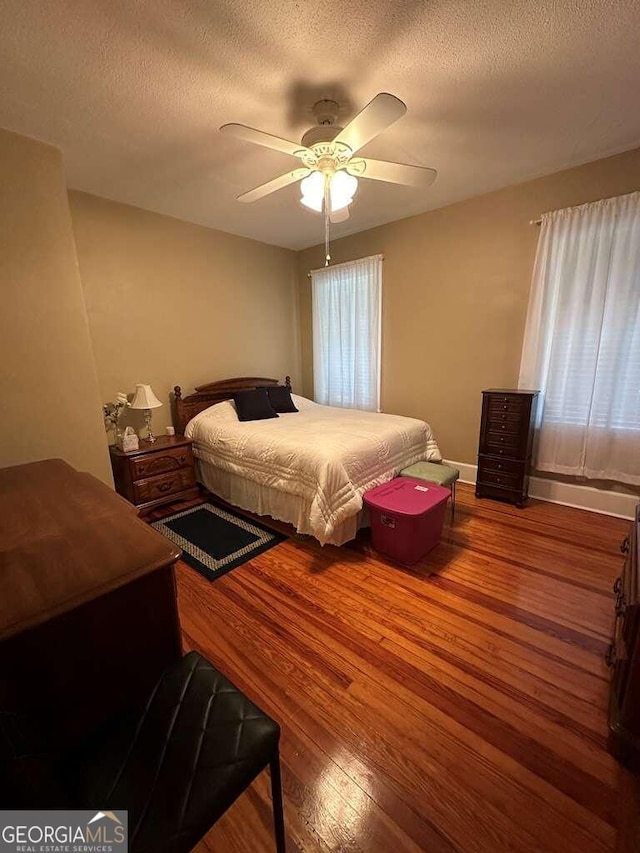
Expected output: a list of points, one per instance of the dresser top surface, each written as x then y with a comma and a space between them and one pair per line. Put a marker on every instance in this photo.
66, 539
511, 391
162, 442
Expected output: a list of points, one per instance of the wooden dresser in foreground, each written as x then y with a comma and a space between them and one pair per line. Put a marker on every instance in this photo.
88, 610
506, 444
156, 473
624, 657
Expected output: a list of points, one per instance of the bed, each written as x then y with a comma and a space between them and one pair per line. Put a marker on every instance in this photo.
309, 468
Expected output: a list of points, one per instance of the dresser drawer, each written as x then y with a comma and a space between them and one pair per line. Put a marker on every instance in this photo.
160, 463
506, 466
502, 443
496, 478
163, 485
495, 466
497, 405
511, 424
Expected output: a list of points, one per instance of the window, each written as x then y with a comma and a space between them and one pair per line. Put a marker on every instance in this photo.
582, 340
346, 334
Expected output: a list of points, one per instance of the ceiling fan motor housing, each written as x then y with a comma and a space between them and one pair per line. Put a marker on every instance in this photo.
323, 133
325, 113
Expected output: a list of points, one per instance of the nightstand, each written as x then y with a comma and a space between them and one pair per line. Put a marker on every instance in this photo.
156, 473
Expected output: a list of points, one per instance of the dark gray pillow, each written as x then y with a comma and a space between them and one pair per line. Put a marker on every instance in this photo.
253, 405
280, 398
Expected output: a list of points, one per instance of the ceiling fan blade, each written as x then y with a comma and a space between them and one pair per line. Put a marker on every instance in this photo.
340, 215
276, 184
394, 173
379, 114
258, 137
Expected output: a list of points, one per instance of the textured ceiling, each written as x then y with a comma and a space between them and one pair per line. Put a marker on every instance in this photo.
497, 91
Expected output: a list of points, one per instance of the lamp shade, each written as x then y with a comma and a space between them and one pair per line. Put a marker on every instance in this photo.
342, 188
144, 398
313, 191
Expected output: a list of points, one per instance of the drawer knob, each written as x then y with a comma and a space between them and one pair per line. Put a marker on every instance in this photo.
503, 426
163, 487
610, 655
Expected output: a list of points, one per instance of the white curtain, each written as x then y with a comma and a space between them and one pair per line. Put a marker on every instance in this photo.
346, 334
582, 340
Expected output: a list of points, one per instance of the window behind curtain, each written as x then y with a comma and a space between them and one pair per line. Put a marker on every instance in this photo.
346, 334
582, 340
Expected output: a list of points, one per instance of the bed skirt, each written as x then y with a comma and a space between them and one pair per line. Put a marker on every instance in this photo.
265, 500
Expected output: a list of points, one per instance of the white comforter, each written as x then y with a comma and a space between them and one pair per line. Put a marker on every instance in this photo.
327, 456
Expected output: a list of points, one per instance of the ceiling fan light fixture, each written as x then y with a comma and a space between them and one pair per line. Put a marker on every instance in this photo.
312, 188
343, 187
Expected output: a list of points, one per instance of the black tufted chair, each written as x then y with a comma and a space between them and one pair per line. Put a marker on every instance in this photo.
176, 766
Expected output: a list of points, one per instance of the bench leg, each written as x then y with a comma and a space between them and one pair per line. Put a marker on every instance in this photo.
453, 501
276, 797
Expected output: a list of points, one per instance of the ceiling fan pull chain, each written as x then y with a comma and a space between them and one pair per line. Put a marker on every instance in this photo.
327, 208
327, 256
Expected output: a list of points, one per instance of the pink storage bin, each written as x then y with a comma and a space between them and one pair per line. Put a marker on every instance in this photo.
406, 518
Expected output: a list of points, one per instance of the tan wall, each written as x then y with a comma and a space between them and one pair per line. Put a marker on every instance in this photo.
171, 303
455, 290
50, 399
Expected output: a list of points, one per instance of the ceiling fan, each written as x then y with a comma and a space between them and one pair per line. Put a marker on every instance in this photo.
330, 170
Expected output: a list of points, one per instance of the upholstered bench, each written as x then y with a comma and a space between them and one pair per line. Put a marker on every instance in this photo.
438, 473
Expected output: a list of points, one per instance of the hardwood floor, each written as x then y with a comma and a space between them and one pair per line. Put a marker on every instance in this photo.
457, 706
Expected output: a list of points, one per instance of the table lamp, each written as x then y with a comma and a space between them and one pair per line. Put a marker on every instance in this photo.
144, 398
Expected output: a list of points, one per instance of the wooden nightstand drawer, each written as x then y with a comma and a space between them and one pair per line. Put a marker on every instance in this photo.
163, 485
161, 463
155, 474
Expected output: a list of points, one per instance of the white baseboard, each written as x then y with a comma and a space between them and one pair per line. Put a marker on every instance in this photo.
568, 494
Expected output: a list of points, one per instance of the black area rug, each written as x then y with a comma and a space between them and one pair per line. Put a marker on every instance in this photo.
216, 540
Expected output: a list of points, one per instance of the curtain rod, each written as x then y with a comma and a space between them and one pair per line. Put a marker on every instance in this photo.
345, 262
585, 204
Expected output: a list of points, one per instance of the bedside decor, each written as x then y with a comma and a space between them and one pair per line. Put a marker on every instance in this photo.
216, 540
112, 412
144, 398
128, 440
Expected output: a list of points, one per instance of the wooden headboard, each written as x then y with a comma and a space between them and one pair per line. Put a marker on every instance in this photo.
185, 408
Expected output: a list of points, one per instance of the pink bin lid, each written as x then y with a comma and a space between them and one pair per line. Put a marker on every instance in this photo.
406, 496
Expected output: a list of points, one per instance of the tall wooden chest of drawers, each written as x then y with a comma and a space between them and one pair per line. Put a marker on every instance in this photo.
506, 444
624, 657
